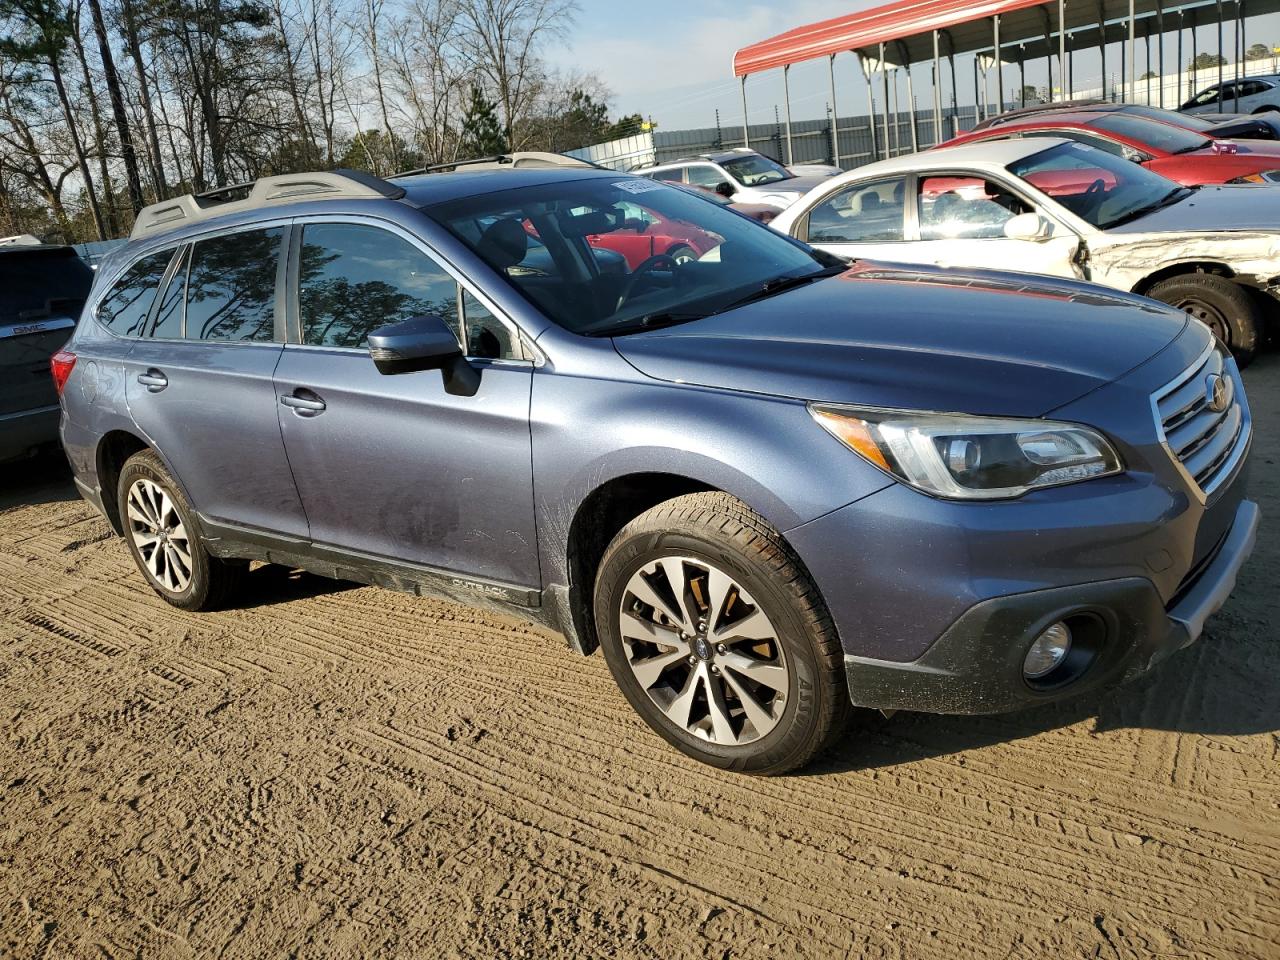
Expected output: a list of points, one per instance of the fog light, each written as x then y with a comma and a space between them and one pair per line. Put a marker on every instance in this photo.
1048, 652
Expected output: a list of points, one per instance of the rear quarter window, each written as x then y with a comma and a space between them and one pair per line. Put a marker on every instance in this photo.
124, 309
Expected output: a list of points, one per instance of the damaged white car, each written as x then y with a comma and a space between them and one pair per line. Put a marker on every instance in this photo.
1052, 206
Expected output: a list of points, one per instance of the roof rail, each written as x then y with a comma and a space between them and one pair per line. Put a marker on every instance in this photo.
265, 191
521, 159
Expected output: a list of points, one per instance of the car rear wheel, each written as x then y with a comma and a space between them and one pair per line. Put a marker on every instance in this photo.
164, 537
1224, 307
718, 638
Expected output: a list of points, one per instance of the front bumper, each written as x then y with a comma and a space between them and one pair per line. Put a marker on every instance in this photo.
976, 665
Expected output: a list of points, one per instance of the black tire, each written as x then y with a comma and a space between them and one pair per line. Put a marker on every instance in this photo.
720, 530
1224, 306
210, 581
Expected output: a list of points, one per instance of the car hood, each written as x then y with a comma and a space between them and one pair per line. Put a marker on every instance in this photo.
1226, 207
796, 185
882, 335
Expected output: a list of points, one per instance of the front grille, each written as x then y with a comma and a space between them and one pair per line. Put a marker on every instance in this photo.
1205, 442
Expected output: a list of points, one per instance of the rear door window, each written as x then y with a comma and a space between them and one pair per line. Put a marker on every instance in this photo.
705, 175
124, 309
231, 286
861, 213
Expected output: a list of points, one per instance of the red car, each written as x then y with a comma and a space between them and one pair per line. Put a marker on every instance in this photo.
644, 233
1182, 155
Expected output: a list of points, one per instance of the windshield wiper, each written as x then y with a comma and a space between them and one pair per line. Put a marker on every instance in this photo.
780, 284
1173, 196
651, 321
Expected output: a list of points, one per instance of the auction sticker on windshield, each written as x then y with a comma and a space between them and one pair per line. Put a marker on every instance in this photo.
638, 185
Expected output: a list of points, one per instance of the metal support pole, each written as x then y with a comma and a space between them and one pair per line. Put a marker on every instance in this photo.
1160, 52
1102, 43
911, 97
937, 93
1194, 80
1022, 74
1062, 49
1048, 50
955, 87
835, 116
1133, 50
1146, 39
884, 70
977, 94
897, 118
746, 132
1220, 57
786, 101
1071, 66
1123, 67
871, 104
1177, 101
1240, 50
995, 44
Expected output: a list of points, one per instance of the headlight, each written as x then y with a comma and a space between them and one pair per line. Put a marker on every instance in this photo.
970, 458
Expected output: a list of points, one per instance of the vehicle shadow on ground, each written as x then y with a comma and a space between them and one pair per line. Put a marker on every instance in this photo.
1220, 687
35, 480
270, 585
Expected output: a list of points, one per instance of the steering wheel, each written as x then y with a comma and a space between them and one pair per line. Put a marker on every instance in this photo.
641, 270
1096, 194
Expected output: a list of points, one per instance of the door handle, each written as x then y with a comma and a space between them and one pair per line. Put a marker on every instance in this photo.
153, 380
304, 403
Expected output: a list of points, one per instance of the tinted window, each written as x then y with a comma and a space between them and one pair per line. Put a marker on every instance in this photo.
1158, 136
862, 213
231, 286
675, 175
953, 208
486, 336
354, 279
168, 321
124, 309
705, 175
40, 284
1089, 140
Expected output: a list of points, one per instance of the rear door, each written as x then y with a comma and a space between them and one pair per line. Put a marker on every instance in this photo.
199, 381
42, 292
861, 220
394, 466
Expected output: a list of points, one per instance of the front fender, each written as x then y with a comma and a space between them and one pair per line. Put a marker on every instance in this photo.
767, 452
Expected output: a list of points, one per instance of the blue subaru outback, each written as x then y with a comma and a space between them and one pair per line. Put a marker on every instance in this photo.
769, 484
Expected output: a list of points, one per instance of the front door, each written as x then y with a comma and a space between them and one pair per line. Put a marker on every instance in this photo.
961, 221
861, 220
394, 466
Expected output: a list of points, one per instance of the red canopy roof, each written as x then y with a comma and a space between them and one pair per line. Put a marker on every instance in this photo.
870, 28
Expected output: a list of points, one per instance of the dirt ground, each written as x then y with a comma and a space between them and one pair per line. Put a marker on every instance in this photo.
343, 771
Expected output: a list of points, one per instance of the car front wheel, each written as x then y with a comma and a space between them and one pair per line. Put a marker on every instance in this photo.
718, 638
164, 537
1226, 308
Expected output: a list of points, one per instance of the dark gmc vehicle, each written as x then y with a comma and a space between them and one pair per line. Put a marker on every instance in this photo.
768, 484
42, 291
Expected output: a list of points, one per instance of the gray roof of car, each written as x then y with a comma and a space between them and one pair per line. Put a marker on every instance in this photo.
429, 189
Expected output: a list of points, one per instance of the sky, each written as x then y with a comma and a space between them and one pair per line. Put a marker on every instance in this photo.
671, 59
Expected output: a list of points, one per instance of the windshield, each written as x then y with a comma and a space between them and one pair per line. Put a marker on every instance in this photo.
753, 169
670, 254
1151, 133
1186, 120
1094, 185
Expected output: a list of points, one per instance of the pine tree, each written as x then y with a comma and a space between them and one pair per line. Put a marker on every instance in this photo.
481, 130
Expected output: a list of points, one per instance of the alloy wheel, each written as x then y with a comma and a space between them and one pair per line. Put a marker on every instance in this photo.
703, 650
160, 535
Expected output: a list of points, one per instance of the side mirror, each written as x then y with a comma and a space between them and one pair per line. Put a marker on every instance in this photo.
423, 343
1027, 226
725, 189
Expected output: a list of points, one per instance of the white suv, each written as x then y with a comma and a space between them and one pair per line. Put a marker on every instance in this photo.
742, 175
1256, 95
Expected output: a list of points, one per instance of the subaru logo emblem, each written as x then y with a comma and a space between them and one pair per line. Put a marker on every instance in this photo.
1218, 392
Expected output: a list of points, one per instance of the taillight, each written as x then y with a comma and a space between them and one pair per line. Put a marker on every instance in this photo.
61, 364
